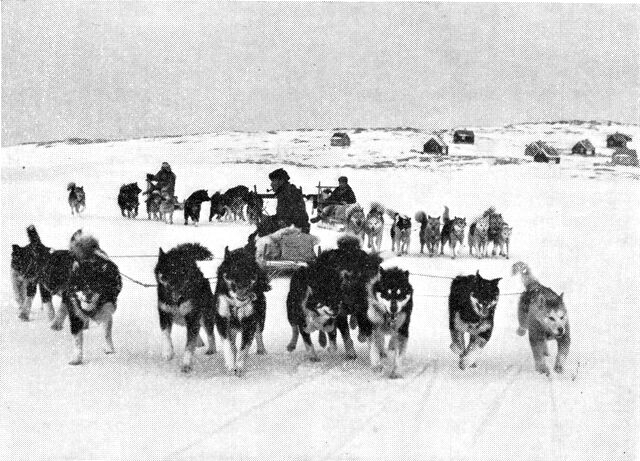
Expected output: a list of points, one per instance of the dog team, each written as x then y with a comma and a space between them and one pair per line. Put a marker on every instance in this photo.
342, 289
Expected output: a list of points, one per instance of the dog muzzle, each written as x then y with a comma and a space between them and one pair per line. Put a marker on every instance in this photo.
480, 309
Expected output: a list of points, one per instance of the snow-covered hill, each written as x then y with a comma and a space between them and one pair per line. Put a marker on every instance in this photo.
575, 223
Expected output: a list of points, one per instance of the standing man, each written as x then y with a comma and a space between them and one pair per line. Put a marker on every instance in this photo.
165, 178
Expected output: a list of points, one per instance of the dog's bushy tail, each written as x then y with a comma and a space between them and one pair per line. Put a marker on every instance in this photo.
445, 214
348, 242
194, 251
421, 217
377, 207
522, 269
84, 246
71, 186
32, 233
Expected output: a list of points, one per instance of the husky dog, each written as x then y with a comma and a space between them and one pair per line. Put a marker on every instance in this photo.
354, 220
401, 234
390, 302
472, 304
374, 227
240, 306
193, 204
230, 204
313, 303
479, 237
503, 239
429, 232
544, 314
128, 200
76, 198
93, 290
26, 267
255, 208
167, 207
184, 297
355, 269
452, 232
152, 201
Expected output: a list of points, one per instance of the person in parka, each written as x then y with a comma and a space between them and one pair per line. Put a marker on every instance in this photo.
165, 179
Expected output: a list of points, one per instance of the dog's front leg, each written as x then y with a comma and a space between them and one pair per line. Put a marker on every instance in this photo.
58, 322
77, 325
308, 345
294, 339
229, 349
399, 351
376, 341
537, 343
457, 342
108, 328
343, 326
166, 322
564, 342
472, 353
193, 334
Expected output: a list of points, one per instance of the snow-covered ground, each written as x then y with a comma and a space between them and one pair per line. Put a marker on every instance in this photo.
576, 224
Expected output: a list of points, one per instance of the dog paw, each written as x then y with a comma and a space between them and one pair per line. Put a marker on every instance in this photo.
558, 368
521, 331
291, 347
351, 355
23, 316
456, 349
76, 361
314, 358
395, 375
261, 351
361, 338
465, 362
210, 351
376, 368
186, 368
237, 372
51, 314
56, 326
109, 350
543, 369
167, 355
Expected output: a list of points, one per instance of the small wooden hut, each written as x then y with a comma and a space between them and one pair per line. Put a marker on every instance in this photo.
618, 140
435, 145
583, 147
340, 139
542, 152
463, 137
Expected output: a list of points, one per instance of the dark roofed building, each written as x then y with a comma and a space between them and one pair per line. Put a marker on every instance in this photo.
340, 139
542, 152
618, 140
584, 147
463, 137
435, 145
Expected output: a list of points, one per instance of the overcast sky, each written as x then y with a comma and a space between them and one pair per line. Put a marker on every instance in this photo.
128, 69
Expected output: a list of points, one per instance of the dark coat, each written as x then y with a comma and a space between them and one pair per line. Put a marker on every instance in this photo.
166, 180
291, 208
342, 196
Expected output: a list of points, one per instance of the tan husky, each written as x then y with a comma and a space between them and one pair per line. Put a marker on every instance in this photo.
543, 313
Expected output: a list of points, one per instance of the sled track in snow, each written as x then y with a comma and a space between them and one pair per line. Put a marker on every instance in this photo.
556, 436
286, 390
494, 406
381, 405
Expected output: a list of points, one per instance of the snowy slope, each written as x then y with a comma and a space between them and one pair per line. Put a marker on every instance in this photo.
576, 224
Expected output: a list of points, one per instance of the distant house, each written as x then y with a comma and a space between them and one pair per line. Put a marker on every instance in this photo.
542, 152
340, 139
463, 137
618, 140
584, 147
435, 145
625, 156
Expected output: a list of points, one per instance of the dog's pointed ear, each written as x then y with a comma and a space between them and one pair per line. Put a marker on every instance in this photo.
406, 273
160, 252
226, 252
561, 296
438, 218
495, 281
75, 266
15, 247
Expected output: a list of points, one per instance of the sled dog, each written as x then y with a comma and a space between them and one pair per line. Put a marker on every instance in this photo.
543, 313
77, 200
429, 232
472, 305
185, 298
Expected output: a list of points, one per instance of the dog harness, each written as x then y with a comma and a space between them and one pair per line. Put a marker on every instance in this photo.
229, 306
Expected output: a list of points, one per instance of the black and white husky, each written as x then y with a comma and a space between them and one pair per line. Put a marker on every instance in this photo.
240, 306
184, 297
472, 305
388, 314
92, 292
